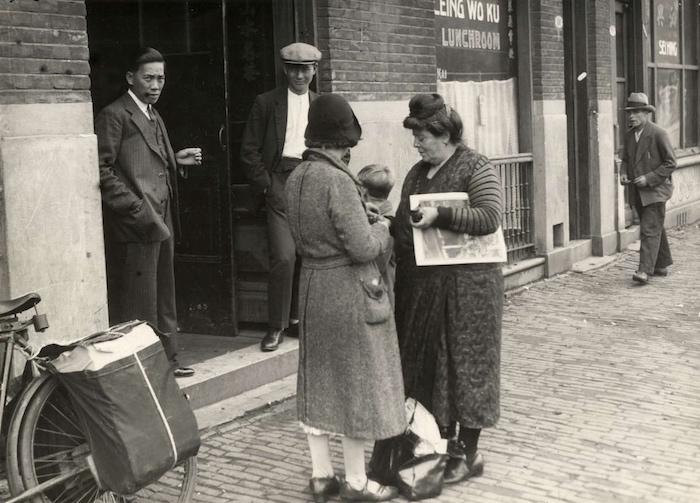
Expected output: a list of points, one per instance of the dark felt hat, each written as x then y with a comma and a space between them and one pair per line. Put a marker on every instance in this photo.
332, 122
639, 101
300, 53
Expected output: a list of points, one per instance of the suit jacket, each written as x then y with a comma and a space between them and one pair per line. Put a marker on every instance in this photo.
653, 157
263, 137
136, 179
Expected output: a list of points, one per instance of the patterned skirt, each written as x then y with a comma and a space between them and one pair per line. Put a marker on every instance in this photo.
448, 320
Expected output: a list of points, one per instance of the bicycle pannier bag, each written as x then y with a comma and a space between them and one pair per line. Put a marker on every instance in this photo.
139, 424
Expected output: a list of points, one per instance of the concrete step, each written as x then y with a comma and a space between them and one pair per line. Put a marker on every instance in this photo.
227, 367
252, 401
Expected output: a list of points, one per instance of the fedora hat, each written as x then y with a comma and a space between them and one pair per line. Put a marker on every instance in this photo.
639, 101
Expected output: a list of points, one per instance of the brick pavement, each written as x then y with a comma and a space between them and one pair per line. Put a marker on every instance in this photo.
600, 400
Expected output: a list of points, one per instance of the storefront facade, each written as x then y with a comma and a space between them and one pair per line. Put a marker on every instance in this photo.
541, 86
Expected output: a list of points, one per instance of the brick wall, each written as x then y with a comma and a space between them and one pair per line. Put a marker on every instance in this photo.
377, 50
43, 52
600, 50
547, 50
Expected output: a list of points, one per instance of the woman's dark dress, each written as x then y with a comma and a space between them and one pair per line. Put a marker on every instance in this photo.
448, 318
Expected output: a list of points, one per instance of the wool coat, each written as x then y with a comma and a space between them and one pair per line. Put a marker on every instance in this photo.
349, 379
653, 157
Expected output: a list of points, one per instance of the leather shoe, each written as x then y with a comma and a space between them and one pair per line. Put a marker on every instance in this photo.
459, 469
660, 271
183, 372
293, 330
322, 488
641, 277
382, 493
272, 340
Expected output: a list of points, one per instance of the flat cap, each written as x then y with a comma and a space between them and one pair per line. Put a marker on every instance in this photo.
300, 53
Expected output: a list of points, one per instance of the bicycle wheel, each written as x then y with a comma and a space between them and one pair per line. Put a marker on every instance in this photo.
51, 443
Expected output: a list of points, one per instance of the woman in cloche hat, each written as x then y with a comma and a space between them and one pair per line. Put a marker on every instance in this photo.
349, 380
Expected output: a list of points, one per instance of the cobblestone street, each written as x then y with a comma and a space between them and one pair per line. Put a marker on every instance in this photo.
600, 400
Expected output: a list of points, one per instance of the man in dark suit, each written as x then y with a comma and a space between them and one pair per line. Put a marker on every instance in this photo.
272, 146
648, 161
138, 179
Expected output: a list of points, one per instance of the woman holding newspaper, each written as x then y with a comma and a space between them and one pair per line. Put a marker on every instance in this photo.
448, 316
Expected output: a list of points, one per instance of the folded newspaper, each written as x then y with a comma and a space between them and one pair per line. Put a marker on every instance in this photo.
433, 246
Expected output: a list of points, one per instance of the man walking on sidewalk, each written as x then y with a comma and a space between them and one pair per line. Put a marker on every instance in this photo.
272, 145
647, 163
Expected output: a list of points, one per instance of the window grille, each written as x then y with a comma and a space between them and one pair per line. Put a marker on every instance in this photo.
515, 172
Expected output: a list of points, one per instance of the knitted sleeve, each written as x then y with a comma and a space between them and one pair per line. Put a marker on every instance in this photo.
485, 210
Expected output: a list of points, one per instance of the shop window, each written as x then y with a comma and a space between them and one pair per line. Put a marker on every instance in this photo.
673, 68
476, 71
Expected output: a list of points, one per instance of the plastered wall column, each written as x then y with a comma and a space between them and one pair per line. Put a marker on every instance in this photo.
551, 197
51, 238
604, 183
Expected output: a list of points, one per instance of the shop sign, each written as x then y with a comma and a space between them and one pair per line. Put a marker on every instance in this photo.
665, 17
475, 39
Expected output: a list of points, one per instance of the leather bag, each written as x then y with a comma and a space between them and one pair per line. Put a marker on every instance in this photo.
395, 463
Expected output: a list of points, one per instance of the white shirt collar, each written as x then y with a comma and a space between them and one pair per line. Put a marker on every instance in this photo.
142, 106
299, 97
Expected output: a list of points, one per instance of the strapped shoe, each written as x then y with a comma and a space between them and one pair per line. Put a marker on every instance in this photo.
641, 277
458, 467
381, 493
322, 488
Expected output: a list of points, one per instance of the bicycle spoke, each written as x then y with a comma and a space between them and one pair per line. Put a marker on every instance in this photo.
76, 439
48, 418
78, 490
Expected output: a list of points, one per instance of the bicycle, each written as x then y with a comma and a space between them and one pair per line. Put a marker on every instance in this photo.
47, 455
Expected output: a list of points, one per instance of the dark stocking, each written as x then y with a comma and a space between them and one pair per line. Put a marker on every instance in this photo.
449, 431
469, 439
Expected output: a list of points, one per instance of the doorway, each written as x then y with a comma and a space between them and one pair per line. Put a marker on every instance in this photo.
219, 55
576, 82
623, 88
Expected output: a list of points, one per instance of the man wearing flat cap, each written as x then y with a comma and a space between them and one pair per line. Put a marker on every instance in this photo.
272, 146
648, 161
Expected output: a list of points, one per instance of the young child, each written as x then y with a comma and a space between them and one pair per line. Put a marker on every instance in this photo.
377, 181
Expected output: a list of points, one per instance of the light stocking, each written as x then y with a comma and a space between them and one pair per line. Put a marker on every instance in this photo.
320, 456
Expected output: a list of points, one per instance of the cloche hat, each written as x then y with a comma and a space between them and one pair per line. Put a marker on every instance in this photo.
639, 101
332, 122
300, 53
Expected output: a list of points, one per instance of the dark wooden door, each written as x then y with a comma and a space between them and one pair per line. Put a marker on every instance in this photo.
576, 83
219, 55
191, 35
252, 58
256, 31
622, 90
